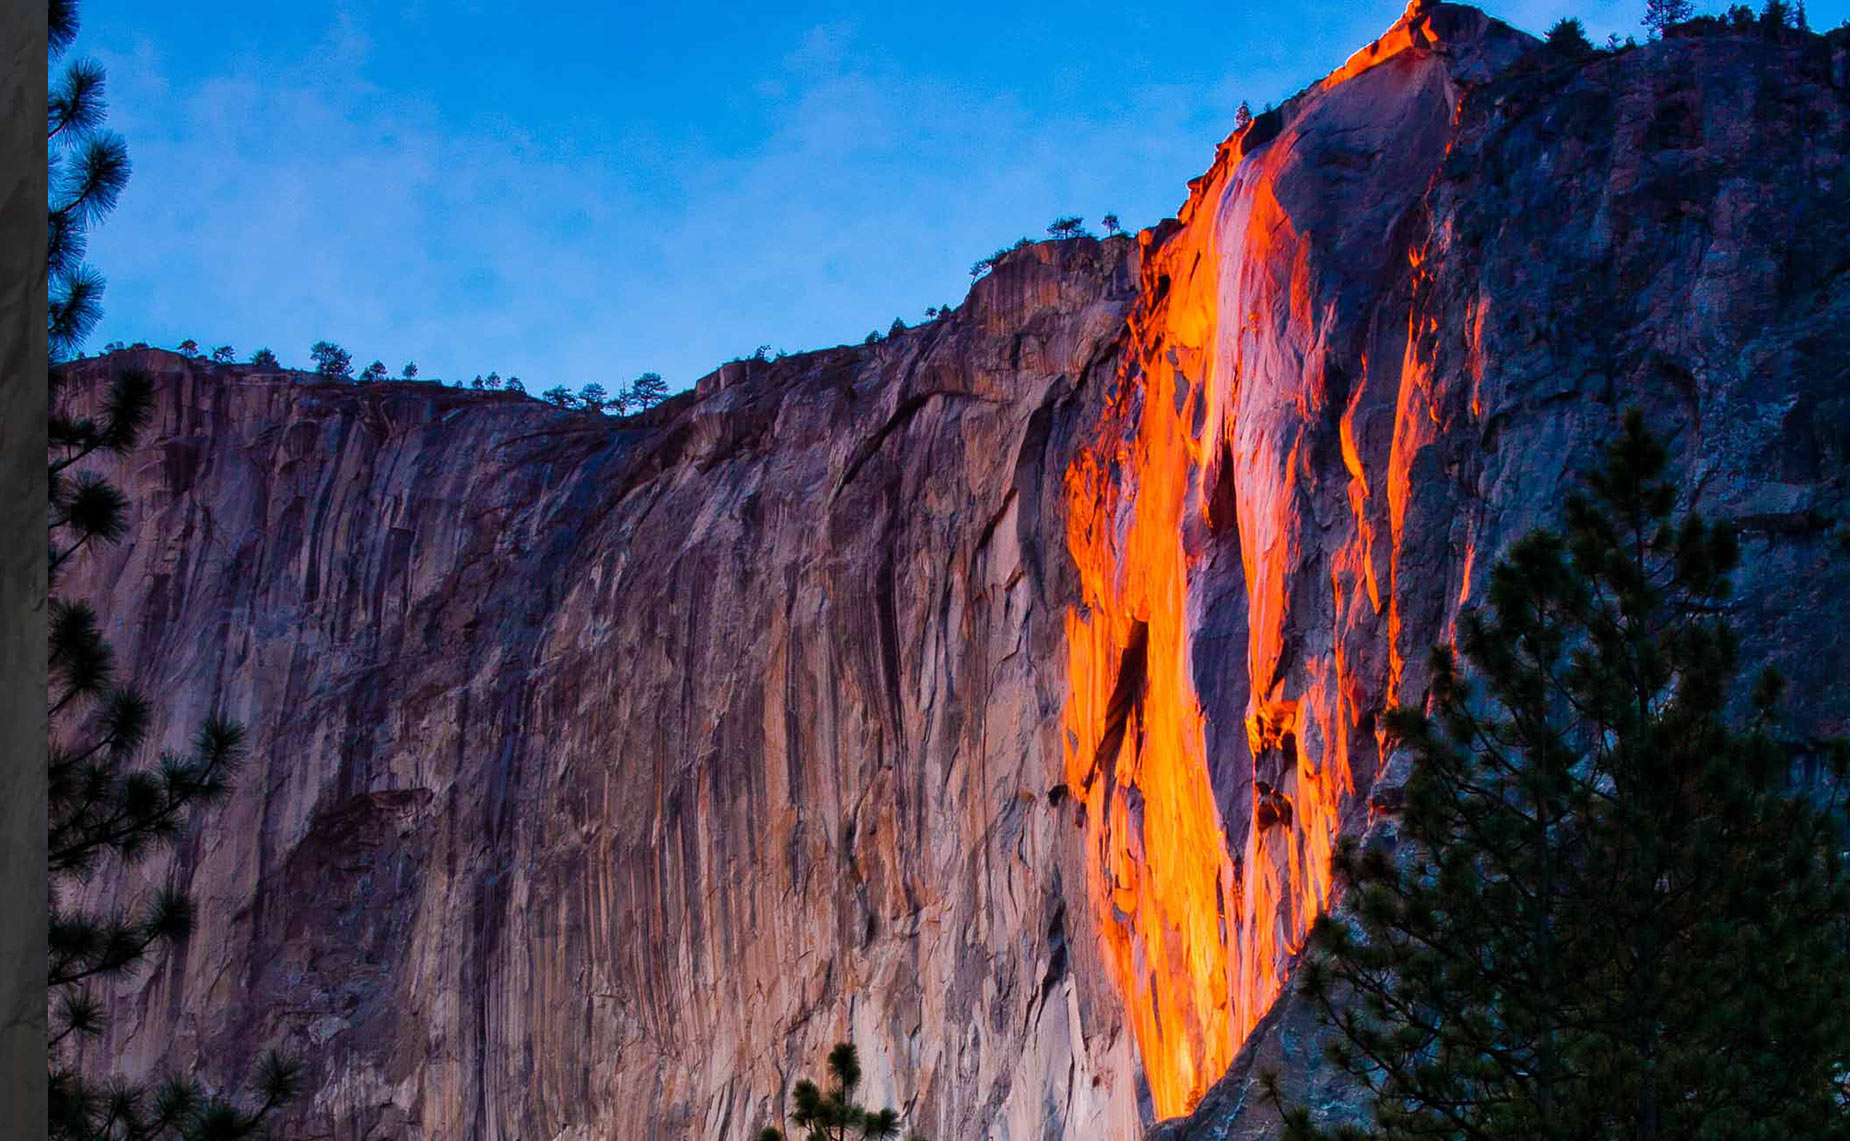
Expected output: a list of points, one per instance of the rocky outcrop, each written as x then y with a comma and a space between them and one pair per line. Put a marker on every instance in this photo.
992, 695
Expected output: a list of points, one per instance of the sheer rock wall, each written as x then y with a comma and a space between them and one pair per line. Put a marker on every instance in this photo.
991, 695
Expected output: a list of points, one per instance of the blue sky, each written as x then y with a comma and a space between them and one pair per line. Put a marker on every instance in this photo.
575, 192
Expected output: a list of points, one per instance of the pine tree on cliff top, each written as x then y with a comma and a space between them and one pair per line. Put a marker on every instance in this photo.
331, 360
102, 805
1568, 37
646, 391
1661, 15
1610, 917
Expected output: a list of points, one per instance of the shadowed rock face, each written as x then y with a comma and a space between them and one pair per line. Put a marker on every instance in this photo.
993, 695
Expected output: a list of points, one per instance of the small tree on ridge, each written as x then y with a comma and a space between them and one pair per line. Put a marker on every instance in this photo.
647, 390
1568, 36
331, 360
1661, 15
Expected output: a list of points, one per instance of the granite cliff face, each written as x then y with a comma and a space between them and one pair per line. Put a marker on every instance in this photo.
992, 695
606, 774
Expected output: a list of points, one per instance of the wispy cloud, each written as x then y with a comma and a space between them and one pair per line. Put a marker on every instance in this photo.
281, 202
280, 205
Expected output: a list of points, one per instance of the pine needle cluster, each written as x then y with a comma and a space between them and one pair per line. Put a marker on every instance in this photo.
832, 1114
105, 806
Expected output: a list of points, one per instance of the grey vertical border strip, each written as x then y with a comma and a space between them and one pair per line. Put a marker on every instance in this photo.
22, 571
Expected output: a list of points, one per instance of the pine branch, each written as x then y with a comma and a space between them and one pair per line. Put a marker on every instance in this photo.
145, 811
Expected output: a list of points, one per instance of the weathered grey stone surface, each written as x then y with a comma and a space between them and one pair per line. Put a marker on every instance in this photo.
605, 772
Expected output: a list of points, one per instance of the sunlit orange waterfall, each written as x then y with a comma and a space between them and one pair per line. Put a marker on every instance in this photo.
1252, 431
1177, 920
1162, 881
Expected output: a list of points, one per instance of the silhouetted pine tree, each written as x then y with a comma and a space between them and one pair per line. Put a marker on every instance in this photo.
833, 1114
1661, 15
331, 360
1610, 916
88, 166
647, 390
1568, 37
101, 804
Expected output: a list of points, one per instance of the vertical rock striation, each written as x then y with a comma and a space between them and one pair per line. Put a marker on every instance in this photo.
993, 695
604, 774
1424, 296
1243, 517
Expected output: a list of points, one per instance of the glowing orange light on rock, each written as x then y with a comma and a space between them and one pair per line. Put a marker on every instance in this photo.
1162, 881
1197, 941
